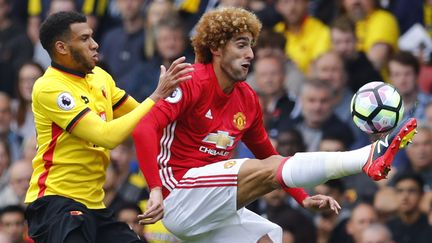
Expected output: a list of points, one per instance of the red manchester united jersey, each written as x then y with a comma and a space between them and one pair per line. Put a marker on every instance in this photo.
197, 125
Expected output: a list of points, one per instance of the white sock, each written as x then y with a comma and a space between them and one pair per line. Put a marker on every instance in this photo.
313, 168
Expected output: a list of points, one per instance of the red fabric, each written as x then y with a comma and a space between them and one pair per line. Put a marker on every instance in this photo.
299, 194
425, 79
197, 126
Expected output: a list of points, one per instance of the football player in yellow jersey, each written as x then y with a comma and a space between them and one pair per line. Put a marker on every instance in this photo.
79, 115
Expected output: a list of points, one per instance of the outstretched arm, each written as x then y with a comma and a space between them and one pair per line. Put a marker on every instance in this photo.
110, 134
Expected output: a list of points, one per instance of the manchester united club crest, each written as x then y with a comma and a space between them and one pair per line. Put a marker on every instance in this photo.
239, 120
229, 164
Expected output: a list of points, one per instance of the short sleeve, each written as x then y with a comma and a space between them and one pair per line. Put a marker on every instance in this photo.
59, 104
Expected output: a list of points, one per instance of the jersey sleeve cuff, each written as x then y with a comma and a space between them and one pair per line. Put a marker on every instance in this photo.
76, 119
120, 102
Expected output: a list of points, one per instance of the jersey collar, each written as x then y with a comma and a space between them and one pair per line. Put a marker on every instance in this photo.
67, 70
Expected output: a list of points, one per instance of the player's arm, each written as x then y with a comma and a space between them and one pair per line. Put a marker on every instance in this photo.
90, 127
148, 132
147, 135
124, 105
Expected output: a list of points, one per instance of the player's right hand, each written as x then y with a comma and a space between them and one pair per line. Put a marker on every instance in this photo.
155, 210
169, 79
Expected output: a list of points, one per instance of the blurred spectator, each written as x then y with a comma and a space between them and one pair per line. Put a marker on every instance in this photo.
29, 148
427, 15
302, 32
407, 13
4, 237
273, 203
358, 67
12, 222
171, 43
362, 216
404, 69
296, 227
317, 118
269, 72
428, 113
385, 203
6, 132
273, 43
410, 225
290, 142
128, 186
420, 154
5, 161
128, 213
54, 6
156, 11
326, 10
121, 48
327, 221
102, 15
330, 67
19, 177
23, 123
376, 233
377, 30
15, 48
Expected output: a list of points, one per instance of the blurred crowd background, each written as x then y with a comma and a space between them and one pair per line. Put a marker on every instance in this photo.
311, 57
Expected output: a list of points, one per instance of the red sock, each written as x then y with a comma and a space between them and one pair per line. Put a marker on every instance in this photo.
299, 194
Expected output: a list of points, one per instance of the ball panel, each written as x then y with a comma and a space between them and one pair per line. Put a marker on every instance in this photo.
365, 103
384, 120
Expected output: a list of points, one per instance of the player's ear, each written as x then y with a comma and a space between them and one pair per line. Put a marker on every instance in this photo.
216, 51
61, 47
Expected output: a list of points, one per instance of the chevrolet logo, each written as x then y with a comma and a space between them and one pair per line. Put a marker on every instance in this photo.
222, 139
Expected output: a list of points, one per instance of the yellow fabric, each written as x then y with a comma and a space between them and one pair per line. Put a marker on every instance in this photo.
157, 233
74, 163
34, 7
190, 6
427, 18
101, 7
88, 6
303, 47
378, 27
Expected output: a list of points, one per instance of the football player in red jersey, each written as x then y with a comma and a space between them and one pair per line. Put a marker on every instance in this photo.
185, 143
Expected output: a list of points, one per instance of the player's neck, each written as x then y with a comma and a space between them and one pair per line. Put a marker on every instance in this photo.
225, 83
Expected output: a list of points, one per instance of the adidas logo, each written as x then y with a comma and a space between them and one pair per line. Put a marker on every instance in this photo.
209, 114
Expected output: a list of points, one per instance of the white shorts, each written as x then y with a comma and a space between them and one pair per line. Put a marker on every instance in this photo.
202, 208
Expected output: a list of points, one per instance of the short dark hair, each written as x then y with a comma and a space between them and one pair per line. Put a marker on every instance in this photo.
344, 24
12, 209
128, 206
410, 176
57, 26
407, 59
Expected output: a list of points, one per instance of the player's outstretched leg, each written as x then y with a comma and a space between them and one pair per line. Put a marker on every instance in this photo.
310, 169
384, 149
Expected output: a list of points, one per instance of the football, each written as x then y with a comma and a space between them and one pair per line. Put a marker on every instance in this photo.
376, 107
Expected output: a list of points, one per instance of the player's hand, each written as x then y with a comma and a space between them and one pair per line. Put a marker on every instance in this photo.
169, 79
321, 203
155, 210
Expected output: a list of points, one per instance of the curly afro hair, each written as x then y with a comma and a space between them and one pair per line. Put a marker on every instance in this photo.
217, 27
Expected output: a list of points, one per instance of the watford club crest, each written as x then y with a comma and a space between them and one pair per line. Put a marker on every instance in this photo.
239, 120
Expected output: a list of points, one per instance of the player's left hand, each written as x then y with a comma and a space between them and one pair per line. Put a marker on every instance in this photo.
155, 210
321, 203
